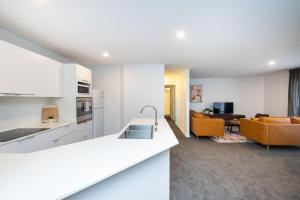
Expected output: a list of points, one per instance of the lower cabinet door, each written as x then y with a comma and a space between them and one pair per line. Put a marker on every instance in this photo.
52, 138
85, 130
89, 129
64, 135
27, 145
66, 138
10, 148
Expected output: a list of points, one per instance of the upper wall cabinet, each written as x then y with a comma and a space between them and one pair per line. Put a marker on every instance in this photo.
24, 73
83, 74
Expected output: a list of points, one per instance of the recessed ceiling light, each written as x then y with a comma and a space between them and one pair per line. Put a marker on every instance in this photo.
105, 54
272, 62
180, 35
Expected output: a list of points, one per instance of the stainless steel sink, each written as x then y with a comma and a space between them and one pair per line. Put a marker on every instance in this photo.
138, 132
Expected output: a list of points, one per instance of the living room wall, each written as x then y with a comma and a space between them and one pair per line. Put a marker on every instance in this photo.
251, 95
217, 90
276, 93
180, 78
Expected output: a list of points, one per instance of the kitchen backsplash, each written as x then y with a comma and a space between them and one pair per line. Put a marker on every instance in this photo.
20, 111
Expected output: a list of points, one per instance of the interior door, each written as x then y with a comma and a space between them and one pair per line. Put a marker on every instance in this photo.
169, 101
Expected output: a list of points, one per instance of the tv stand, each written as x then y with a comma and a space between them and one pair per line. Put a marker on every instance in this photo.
227, 117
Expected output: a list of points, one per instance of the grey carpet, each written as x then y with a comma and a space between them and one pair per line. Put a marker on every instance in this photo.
208, 170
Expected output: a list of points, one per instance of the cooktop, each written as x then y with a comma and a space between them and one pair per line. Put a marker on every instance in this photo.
19, 132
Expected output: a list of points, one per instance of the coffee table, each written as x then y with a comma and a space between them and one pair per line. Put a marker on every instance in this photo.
233, 123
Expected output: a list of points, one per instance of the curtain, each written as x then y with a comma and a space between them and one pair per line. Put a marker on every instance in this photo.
294, 93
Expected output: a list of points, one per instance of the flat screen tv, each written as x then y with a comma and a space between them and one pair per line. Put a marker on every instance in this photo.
223, 107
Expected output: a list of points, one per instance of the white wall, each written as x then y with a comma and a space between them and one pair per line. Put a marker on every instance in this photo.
109, 80
262, 94
20, 111
217, 90
142, 85
276, 93
251, 96
180, 78
126, 90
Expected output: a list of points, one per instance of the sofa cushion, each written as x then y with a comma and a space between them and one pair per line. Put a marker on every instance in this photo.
275, 120
295, 120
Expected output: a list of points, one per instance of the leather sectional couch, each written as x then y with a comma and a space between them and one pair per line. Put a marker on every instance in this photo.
272, 130
205, 126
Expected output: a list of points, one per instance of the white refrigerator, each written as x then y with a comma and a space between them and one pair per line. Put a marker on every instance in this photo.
98, 113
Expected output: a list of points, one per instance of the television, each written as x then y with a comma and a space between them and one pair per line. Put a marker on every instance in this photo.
223, 107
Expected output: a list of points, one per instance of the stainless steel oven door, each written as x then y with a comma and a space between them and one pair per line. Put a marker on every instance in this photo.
84, 109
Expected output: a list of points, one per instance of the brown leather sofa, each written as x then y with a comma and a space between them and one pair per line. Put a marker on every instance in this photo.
205, 126
272, 130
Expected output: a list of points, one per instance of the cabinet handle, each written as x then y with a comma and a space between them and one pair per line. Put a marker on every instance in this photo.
86, 136
28, 137
15, 94
67, 126
55, 140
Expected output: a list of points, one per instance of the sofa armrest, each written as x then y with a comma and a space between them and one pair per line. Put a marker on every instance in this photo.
254, 130
207, 126
211, 126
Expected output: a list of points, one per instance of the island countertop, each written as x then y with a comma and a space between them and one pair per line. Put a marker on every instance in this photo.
59, 172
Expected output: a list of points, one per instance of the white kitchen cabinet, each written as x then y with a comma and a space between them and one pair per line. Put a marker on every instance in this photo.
48, 139
29, 144
60, 136
51, 138
85, 130
9, 148
6, 82
25, 145
25, 73
49, 79
83, 74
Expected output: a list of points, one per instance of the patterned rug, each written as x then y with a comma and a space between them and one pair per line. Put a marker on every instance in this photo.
230, 138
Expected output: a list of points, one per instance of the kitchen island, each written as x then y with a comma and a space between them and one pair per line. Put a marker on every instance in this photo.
101, 168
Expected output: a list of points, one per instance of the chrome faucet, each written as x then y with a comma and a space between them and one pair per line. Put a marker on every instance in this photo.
155, 110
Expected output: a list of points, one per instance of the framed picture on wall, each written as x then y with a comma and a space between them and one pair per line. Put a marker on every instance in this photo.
196, 94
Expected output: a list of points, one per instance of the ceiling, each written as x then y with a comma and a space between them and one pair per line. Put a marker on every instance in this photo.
232, 38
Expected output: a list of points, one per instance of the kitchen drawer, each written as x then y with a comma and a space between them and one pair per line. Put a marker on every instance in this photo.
9, 148
26, 145
59, 136
54, 134
41, 141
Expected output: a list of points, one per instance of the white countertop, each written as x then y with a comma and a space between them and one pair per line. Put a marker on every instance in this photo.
60, 172
51, 126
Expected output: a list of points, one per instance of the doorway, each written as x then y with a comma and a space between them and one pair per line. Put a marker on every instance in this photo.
169, 102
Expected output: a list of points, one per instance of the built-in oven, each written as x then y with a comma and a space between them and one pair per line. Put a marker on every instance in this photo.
83, 88
84, 109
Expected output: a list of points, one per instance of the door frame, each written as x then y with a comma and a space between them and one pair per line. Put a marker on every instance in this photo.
172, 101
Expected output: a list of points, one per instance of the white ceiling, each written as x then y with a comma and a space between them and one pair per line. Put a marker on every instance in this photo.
231, 38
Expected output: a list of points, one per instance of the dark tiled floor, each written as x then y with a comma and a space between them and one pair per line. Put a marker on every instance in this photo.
207, 170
